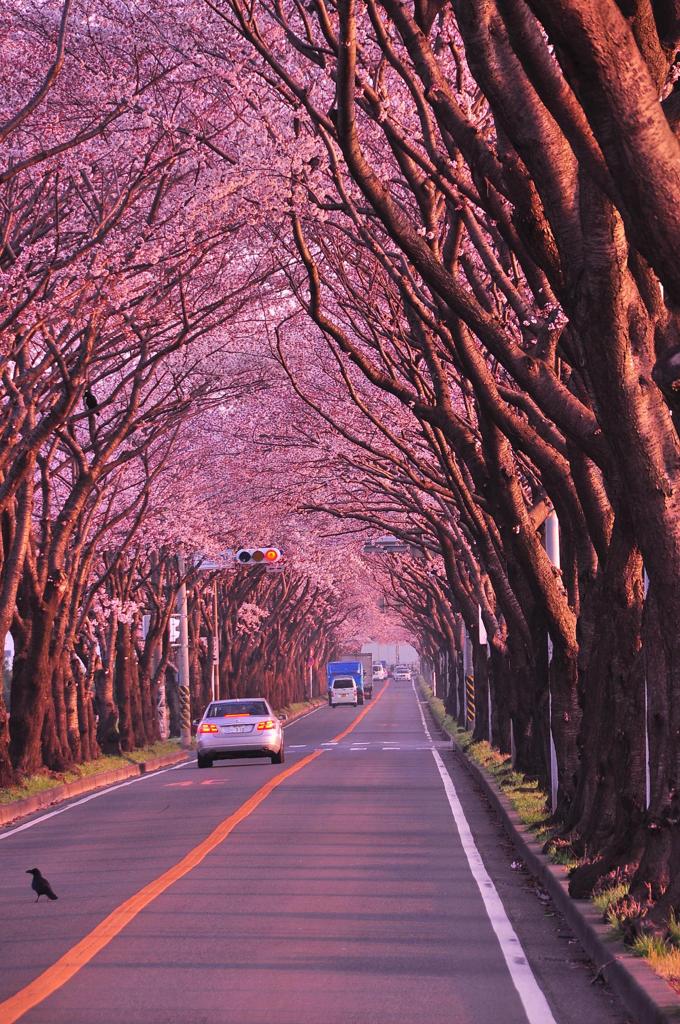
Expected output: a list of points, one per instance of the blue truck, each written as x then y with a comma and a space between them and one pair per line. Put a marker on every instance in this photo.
352, 669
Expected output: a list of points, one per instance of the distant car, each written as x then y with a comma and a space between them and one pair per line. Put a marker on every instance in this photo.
343, 691
239, 728
403, 672
379, 673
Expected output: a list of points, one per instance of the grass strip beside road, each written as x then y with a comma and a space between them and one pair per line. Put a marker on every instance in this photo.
531, 804
44, 781
301, 706
56, 976
524, 793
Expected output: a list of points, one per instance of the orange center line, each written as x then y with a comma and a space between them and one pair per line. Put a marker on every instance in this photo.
345, 732
79, 955
83, 952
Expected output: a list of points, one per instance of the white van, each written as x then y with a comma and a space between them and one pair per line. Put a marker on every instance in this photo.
343, 691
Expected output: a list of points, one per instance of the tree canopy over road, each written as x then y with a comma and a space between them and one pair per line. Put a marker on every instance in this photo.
302, 273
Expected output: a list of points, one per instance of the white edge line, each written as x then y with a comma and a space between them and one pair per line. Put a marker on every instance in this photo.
287, 725
533, 1000
92, 796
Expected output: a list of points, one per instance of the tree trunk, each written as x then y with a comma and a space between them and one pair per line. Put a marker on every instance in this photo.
122, 681
32, 700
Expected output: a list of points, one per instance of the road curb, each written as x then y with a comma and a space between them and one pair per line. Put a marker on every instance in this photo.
644, 994
146, 767
88, 784
304, 713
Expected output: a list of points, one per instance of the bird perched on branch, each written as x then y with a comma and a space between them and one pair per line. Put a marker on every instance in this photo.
41, 885
90, 400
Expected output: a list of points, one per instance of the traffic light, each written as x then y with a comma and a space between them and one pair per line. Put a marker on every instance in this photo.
258, 556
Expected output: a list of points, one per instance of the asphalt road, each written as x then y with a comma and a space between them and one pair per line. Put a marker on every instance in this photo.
346, 894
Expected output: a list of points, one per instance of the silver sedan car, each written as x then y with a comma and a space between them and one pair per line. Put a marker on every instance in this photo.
239, 728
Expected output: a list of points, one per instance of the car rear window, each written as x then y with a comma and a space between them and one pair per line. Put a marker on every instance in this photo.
237, 707
343, 684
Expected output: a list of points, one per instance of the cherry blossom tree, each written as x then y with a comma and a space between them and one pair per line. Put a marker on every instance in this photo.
466, 155
297, 274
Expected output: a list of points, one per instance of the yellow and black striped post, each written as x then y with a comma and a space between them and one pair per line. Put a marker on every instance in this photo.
469, 700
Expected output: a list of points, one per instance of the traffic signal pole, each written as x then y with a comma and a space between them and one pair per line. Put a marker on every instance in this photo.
183, 659
215, 674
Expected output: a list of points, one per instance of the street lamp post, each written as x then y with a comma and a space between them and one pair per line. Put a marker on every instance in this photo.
215, 673
183, 659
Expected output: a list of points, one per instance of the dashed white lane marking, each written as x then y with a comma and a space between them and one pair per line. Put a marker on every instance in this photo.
370, 747
534, 1002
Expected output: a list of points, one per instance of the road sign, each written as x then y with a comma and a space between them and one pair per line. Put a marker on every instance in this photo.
207, 563
386, 544
173, 628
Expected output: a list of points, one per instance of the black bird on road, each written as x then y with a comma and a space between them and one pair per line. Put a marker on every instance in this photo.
41, 885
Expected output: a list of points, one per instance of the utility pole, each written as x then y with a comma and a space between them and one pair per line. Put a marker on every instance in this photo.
183, 659
552, 547
215, 674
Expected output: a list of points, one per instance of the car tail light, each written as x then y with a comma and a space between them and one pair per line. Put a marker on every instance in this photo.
208, 727
269, 724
